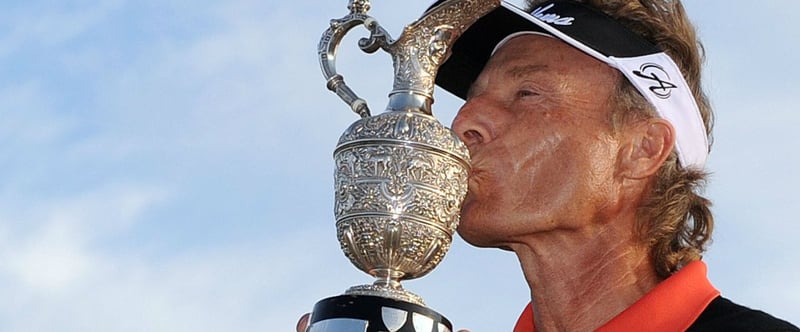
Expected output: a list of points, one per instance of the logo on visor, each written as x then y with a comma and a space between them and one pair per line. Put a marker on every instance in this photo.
554, 19
657, 75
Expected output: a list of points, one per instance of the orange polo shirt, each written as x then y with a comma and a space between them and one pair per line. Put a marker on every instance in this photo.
673, 305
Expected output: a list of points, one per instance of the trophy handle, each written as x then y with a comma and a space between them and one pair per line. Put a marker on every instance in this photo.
422, 47
330, 41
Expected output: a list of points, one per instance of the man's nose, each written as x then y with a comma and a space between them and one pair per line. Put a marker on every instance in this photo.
470, 124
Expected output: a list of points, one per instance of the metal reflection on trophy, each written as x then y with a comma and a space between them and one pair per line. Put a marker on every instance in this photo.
400, 176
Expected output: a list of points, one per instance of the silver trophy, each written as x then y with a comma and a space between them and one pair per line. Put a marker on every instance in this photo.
400, 176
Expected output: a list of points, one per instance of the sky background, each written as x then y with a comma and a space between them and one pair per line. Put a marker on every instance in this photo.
167, 165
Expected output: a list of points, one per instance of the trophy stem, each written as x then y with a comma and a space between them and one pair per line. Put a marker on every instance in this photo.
388, 278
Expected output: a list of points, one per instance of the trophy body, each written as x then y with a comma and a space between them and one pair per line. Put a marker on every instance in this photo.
400, 176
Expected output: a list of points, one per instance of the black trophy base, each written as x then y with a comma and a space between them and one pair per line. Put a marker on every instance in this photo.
365, 313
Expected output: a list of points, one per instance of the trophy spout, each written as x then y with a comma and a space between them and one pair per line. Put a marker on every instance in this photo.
425, 45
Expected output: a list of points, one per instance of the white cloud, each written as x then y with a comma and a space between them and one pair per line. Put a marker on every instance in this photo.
49, 261
65, 282
50, 246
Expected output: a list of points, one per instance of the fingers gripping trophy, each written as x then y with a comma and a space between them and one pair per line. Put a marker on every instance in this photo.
400, 176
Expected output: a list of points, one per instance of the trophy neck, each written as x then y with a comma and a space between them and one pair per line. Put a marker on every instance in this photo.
409, 101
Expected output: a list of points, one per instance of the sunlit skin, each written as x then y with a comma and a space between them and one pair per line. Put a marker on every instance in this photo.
554, 182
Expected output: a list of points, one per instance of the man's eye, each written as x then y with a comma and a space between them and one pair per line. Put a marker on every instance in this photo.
526, 93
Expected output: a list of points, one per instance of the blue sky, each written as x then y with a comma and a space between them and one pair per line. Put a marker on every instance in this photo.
167, 165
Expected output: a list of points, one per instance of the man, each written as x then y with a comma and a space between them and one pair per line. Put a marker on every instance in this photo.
589, 131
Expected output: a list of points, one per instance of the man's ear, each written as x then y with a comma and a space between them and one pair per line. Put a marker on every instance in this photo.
647, 144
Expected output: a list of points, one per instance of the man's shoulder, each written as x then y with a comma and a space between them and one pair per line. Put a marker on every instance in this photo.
724, 315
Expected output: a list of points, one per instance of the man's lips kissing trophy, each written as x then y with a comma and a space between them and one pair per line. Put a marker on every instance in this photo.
400, 176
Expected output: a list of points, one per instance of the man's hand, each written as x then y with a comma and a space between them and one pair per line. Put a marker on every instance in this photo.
303, 323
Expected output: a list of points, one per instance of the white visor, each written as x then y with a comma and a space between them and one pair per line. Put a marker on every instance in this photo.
651, 71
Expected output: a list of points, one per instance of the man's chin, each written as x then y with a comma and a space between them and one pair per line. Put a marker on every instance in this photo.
482, 243
476, 236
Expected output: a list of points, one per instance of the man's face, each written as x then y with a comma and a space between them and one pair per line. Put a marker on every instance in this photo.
537, 125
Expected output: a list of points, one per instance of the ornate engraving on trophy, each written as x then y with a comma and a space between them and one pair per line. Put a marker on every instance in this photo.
400, 178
